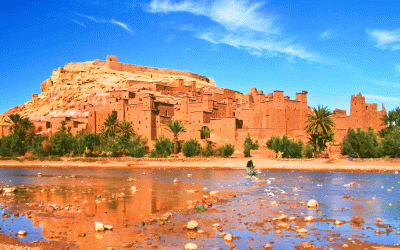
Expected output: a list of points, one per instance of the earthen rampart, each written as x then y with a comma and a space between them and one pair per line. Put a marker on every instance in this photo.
85, 94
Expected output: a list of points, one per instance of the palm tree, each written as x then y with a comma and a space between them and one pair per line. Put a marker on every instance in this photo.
126, 130
392, 118
17, 122
319, 127
176, 127
205, 133
110, 126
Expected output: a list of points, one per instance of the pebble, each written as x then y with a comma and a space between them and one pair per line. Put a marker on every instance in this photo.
192, 224
99, 226
308, 218
228, 237
190, 246
312, 203
301, 231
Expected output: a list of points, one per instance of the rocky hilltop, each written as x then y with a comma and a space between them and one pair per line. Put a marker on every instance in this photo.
76, 85
83, 95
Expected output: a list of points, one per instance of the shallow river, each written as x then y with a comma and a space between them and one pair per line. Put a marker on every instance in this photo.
107, 196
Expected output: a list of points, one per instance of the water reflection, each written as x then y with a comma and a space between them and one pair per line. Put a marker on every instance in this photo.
69, 201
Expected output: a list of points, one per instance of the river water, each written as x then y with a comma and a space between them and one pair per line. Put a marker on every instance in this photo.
106, 195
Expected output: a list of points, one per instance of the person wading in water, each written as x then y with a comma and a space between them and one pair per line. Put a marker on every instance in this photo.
250, 168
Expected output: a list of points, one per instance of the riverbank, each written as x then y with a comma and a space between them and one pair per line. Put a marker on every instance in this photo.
262, 163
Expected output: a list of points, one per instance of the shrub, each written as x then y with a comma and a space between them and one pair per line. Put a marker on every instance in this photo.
86, 144
208, 150
163, 148
13, 144
361, 143
249, 145
295, 149
226, 150
62, 143
308, 151
287, 147
136, 149
41, 146
191, 148
391, 143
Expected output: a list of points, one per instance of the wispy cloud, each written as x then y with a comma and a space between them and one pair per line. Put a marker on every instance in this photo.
385, 39
169, 38
77, 22
327, 34
397, 67
384, 83
111, 21
238, 23
383, 98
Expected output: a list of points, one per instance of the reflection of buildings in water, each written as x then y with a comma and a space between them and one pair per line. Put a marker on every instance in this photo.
154, 196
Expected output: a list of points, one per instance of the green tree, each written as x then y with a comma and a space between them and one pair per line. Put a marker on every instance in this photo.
126, 130
163, 147
18, 122
226, 150
38, 147
320, 125
391, 143
176, 127
13, 144
86, 144
361, 143
205, 133
191, 148
249, 145
391, 120
288, 147
111, 126
62, 142
136, 148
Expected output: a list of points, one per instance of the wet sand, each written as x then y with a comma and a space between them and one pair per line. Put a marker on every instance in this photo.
261, 163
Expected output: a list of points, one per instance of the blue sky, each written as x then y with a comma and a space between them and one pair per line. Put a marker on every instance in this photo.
332, 49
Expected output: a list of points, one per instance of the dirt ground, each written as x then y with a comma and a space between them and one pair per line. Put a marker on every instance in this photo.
261, 163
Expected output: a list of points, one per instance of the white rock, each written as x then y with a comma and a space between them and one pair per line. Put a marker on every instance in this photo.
228, 237
312, 203
283, 217
192, 224
175, 180
301, 231
308, 218
99, 226
190, 246
214, 193
338, 222
9, 190
22, 233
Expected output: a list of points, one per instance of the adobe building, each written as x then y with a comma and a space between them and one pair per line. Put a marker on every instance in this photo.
149, 98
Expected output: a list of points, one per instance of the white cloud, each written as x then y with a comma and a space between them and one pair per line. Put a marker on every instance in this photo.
112, 21
238, 23
383, 98
79, 23
123, 25
398, 67
385, 39
326, 34
169, 38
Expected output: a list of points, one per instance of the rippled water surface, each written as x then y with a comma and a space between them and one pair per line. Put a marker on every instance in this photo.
157, 193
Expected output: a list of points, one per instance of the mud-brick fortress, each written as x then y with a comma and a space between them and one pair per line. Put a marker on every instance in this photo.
85, 94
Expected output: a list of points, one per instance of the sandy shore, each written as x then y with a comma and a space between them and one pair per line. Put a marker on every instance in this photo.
261, 163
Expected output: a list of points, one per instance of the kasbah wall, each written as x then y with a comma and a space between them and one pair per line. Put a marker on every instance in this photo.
230, 114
